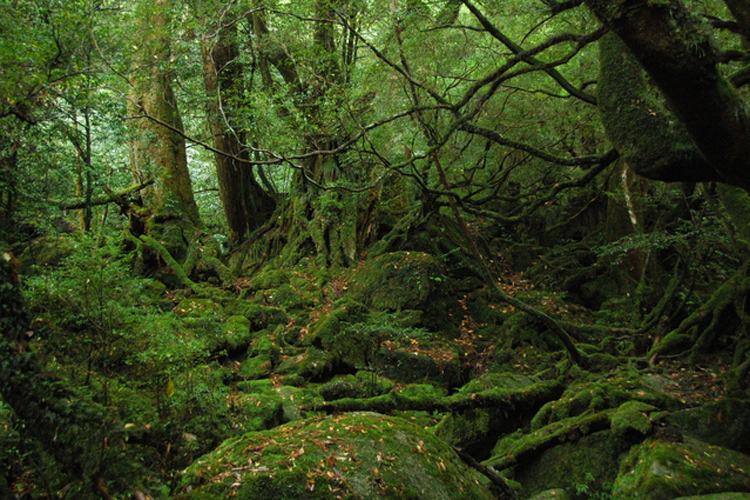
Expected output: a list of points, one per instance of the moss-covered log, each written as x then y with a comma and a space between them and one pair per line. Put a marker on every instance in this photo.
406, 399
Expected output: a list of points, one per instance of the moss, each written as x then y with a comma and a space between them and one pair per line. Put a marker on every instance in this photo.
671, 343
312, 364
9, 440
237, 332
736, 204
596, 395
407, 367
721, 423
293, 399
519, 445
361, 385
46, 251
264, 345
260, 316
589, 462
419, 279
660, 470
270, 278
498, 380
257, 411
256, 367
197, 308
632, 418
362, 455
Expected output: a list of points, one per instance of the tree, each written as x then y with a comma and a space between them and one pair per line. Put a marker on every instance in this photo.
667, 41
158, 144
247, 206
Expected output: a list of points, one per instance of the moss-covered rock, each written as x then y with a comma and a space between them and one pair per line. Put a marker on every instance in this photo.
9, 441
264, 344
258, 410
722, 423
477, 429
311, 364
551, 494
237, 332
590, 463
408, 367
261, 316
662, 470
46, 251
293, 399
334, 334
361, 385
406, 280
522, 446
631, 419
718, 496
355, 456
197, 308
256, 367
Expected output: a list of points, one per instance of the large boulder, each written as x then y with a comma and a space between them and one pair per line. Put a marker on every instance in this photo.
406, 281
663, 470
358, 455
722, 423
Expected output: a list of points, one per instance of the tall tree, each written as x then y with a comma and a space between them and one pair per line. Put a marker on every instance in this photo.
247, 206
158, 145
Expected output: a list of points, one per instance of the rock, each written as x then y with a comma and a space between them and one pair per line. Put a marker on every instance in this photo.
259, 409
361, 385
553, 494
476, 430
360, 455
722, 423
408, 367
587, 463
260, 316
46, 251
660, 470
405, 280
196, 308
256, 367
237, 332
631, 419
312, 364
594, 397
719, 496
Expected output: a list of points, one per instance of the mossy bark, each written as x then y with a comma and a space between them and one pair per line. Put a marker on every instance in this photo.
247, 206
668, 43
158, 151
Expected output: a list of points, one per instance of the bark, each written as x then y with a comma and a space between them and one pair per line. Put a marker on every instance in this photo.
158, 151
667, 42
247, 206
650, 140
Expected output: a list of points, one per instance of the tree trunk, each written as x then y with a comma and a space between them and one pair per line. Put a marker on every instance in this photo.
158, 151
668, 43
246, 205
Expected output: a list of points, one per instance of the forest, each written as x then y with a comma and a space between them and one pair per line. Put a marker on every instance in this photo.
375, 249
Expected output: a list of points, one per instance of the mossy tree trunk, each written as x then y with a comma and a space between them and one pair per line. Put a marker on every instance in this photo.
157, 148
666, 40
247, 206
332, 224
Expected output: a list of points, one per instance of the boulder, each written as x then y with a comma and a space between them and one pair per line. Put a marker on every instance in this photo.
664, 470
722, 423
365, 456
